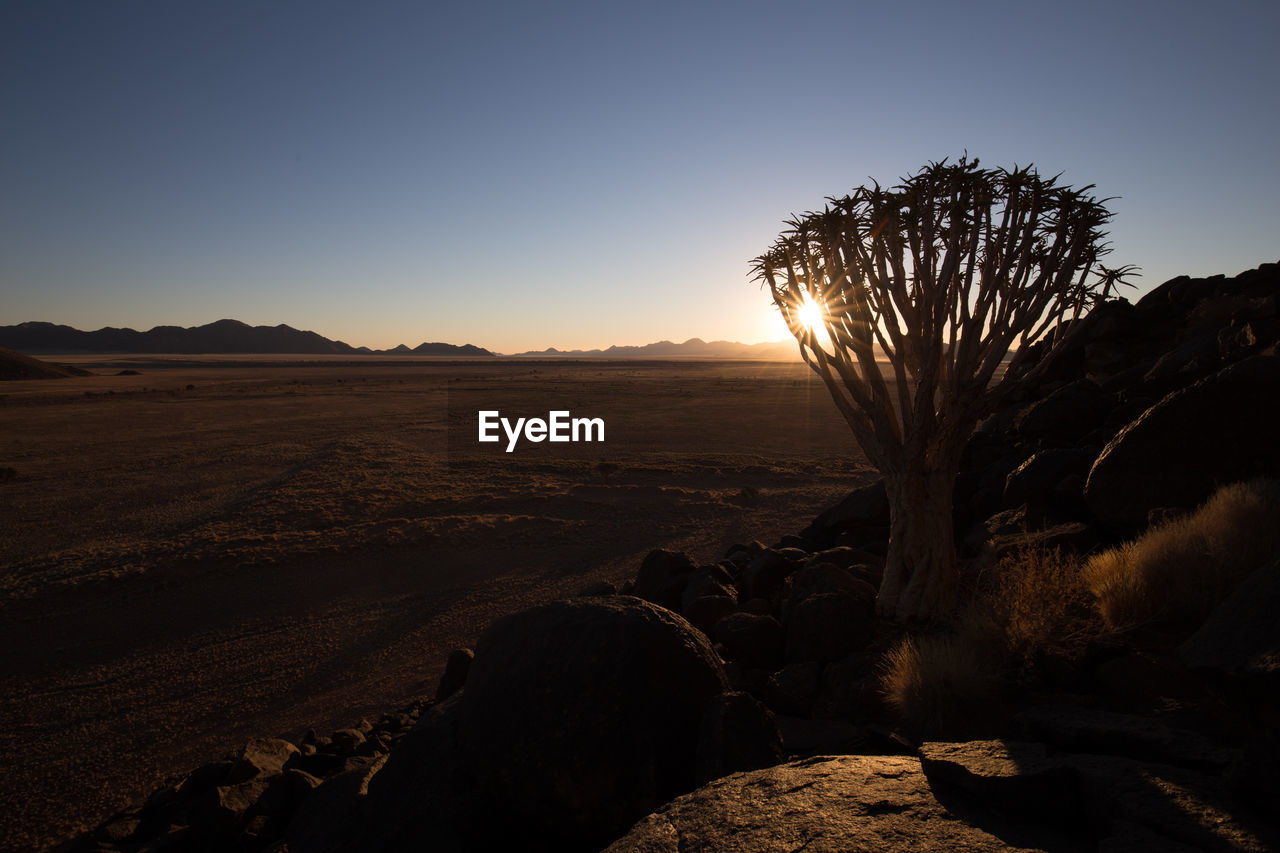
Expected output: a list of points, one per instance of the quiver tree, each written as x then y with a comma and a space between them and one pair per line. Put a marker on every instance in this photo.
908, 302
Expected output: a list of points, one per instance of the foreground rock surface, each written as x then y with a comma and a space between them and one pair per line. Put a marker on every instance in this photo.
844, 803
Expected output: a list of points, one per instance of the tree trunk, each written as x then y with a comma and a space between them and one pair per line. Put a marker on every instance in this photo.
920, 568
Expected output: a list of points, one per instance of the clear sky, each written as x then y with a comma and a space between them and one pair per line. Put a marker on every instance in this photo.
533, 174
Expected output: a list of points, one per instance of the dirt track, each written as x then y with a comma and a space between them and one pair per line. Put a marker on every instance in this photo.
280, 547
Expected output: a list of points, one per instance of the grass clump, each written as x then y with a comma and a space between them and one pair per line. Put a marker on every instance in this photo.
1178, 571
1027, 619
941, 686
1034, 610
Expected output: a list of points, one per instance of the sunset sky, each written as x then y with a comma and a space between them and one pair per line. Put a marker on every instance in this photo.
525, 175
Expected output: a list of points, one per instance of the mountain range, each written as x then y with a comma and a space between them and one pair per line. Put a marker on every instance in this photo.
692, 348
235, 337
224, 336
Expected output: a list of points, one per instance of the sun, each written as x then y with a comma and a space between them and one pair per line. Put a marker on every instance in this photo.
809, 313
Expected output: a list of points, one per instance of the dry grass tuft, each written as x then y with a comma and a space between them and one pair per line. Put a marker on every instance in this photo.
1178, 571
1035, 608
941, 687
1029, 615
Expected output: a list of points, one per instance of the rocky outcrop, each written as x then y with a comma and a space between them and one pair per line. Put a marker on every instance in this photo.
1219, 430
822, 804
1147, 408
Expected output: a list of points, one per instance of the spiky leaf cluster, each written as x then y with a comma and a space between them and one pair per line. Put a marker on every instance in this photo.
944, 275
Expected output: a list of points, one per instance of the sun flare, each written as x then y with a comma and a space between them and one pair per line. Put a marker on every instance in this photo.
809, 313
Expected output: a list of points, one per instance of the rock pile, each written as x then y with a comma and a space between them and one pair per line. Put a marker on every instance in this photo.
271, 789
1148, 409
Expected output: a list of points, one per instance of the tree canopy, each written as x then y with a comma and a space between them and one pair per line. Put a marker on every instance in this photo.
922, 293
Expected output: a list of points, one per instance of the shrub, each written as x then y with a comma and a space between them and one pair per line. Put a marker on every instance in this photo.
1034, 608
1179, 570
941, 687
607, 470
7, 474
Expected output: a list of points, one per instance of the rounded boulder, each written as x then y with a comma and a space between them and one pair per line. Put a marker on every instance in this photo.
580, 717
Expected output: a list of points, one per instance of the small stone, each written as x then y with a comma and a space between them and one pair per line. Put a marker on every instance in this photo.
455, 673
260, 757
346, 741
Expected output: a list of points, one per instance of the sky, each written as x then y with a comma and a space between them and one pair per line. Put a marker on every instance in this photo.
525, 175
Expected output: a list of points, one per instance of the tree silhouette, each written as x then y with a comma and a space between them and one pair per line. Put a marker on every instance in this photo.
922, 291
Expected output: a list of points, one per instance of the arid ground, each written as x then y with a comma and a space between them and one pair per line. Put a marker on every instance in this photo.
217, 548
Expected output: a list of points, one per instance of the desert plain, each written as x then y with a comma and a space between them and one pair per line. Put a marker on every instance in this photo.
217, 548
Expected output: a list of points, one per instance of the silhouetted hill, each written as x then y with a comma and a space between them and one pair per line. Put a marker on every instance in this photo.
224, 336
436, 348
15, 365
692, 348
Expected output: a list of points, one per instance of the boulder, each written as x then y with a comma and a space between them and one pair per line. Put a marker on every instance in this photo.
828, 626
752, 639
706, 612
578, 718
329, 817
864, 507
805, 737
707, 580
455, 673
821, 804
792, 689
1241, 637
205, 777
737, 733
1038, 480
1067, 414
765, 574
662, 578
419, 800
818, 578
222, 809
1216, 431
261, 756
1190, 359
850, 689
